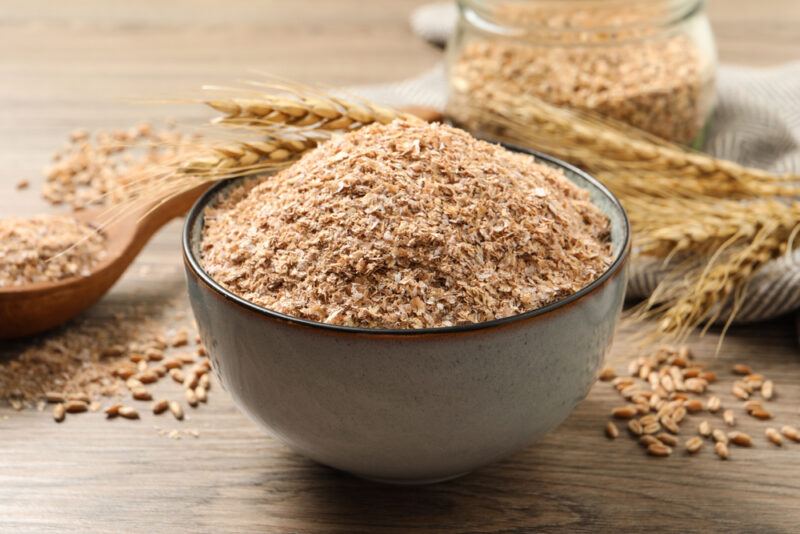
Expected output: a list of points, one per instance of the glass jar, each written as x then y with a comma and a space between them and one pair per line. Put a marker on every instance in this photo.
647, 63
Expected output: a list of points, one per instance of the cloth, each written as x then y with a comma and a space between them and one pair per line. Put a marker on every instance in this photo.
756, 123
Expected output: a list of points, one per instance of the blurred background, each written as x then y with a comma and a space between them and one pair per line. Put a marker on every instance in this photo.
92, 63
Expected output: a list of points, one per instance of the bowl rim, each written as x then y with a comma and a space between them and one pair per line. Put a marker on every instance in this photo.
192, 262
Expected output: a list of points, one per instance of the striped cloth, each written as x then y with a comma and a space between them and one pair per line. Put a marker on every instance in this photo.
756, 123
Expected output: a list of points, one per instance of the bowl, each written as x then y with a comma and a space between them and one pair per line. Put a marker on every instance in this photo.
411, 406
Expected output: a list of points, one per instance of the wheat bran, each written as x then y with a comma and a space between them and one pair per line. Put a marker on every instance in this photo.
110, 166
406, 226
47, 248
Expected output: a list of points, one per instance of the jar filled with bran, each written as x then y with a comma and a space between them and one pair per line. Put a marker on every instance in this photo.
647, 63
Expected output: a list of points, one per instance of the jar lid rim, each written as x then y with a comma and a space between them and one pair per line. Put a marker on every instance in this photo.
498, 13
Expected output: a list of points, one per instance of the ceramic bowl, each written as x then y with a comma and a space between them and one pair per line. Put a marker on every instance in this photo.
411, 406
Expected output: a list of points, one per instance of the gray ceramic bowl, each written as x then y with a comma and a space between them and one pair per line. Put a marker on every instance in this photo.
411, 406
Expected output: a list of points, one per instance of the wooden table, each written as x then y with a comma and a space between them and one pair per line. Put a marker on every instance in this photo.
93, 64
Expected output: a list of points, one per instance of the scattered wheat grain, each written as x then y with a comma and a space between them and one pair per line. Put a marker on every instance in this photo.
740, 438
774, 436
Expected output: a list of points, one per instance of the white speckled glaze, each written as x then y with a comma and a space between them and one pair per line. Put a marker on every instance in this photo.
411, 406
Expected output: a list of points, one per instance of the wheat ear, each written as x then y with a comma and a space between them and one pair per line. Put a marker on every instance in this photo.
228, 160
668, 228
711, 286
289, 124
598, 143
302, 111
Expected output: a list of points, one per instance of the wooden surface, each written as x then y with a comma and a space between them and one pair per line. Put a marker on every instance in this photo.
92, 64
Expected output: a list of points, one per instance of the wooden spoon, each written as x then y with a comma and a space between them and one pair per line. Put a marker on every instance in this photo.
34, 308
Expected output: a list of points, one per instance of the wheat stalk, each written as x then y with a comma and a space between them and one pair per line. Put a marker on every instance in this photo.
668, 228
600, 144
629, 184
700, 295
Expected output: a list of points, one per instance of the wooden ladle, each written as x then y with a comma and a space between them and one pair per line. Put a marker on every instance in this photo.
34, 308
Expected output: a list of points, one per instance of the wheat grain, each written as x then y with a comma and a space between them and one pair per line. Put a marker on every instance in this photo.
752, 405
760, 413
635, 427
607, 374
204, 382
177, 375
739, 392
652, 428
728, 417
191, 398
694, 444
172, 363
128, 413
791, 433
133, 383
667, 439
767, 390
774, 436
693, 406
154, 354
704, 428
75, 406
141, 394
741, 439
668, 423
160, 406
659, 450
624, 412
176, 410
611, 430
147, 377
59, 412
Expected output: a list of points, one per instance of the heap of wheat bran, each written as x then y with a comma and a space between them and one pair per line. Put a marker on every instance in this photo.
47, 248
406, 225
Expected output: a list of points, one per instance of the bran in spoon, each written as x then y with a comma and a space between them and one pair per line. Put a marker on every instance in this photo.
406, 226
47, 248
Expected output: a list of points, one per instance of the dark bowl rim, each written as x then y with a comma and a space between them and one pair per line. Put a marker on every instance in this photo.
199, 206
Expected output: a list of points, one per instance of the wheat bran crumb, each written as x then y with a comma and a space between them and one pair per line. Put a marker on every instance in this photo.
47, 248
109, 167
406, 226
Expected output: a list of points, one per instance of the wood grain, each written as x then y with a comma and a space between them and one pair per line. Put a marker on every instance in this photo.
91, 64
